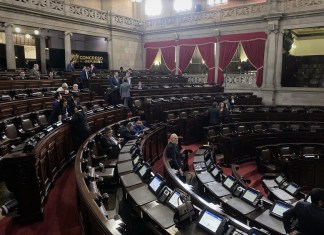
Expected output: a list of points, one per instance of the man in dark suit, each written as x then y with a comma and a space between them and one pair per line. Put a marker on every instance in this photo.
114, 86
125, 92
172, 152
70, 67
109, 144
73, 101
93, 69
310, 216
54, 116
127, 133
213, 115
84, 76
79, 127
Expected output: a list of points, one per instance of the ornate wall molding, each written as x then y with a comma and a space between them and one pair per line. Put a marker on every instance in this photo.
240, 80
126, 21
302, 4
91, 14
245, 11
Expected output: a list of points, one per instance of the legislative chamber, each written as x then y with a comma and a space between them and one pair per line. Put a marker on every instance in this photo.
76, 78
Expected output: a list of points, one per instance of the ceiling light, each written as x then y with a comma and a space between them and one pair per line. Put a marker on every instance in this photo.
27, 35
36, 32
17, 29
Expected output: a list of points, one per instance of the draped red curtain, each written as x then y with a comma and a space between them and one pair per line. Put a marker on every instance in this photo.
150, 56
207, 53
226, 53
255, 53
168, 54
185, 55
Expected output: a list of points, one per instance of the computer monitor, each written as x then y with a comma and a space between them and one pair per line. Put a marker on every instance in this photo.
292, 189
208, 162
229, 182
156, 184
216, 171
278, 208
143, 170
280, 179
136, 159
308, 199
251, 196
174, 200
211, 222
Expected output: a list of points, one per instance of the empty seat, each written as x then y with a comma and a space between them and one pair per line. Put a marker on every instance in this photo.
28, 126
266, 164
170, 116
258, 128
12, 134
183, 115
226, 131
309, 151
241, 129
287, 152
42, 120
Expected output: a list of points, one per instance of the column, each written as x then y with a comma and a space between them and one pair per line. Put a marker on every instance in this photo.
10, 49
277, 82
67, 47
217, 62
42, 46
271, 58
110, 52
177, 58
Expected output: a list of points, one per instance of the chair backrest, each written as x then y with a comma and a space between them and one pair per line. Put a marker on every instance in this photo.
171, 116
42, 120
226, 130
183, 115
11, 131
27, 124
258, 127
309, 150
286, 150
241, 129
195, 113
276, 126
138, 103
266, 155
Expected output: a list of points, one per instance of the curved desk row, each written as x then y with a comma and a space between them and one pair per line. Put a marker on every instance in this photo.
30, 175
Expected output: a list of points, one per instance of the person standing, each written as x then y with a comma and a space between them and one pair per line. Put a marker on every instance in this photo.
70, 67
213, 115
79, 127
114, 86
172, 152
34, 72
310, 216
125, 91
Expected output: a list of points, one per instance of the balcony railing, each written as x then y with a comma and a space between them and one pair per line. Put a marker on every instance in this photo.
240, 80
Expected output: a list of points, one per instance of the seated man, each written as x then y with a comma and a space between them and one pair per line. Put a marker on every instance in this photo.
138, 127
310, 216
172, 152
127, 132
75, 88
63, 88
109, 144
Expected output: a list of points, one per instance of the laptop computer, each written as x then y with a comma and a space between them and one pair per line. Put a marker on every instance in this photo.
278, 208
212, 222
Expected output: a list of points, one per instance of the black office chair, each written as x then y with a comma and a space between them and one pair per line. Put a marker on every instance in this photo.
266, 164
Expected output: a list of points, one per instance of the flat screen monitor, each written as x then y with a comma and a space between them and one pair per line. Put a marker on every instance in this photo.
208, 162
280, 179
292, 189
156, 183
229, 182
250, 196
136, 159
174, 200
216, 171
142, 171
209, 221
278, 208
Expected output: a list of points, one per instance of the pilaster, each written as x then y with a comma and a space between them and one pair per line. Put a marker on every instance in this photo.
10, 49
42, 51
67, 47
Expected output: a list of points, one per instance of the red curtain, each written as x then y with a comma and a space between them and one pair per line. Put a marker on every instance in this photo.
226, 53
185, 56
168, 54
255, 53
207, 53
150, 56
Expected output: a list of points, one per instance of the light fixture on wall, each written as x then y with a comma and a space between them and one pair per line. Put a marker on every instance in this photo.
27, 36
36, 32
17, 29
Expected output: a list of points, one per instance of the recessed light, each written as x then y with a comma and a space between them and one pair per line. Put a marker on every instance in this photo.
36, 32
17, 29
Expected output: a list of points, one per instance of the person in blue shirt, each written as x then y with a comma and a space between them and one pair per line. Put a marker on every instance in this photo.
138, 127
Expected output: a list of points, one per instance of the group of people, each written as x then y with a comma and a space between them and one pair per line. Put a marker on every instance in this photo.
111, 145
122, 85
34, 74
218, 114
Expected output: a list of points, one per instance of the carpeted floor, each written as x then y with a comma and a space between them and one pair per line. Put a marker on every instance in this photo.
60, 212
